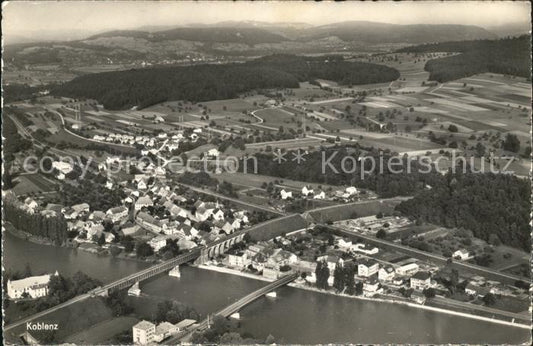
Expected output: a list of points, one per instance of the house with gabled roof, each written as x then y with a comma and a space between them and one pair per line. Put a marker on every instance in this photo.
285, 195
148, 222
143, 201
116, 214
307, 191
218, 214
203, 213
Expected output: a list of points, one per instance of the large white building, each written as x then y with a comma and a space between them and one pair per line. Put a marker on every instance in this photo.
240, 260
143, 333
367, 268
407, 269
33, 286
420, 281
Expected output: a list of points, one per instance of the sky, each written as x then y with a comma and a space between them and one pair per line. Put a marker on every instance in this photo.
64, 18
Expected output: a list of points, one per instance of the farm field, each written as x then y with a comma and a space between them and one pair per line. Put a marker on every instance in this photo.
400, 144
302, 143
275, 117
32, 183
37, 76
257, 180
308, 91
64, 136
102, 331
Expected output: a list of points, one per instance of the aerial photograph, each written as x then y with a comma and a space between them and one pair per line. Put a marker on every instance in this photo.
274, 172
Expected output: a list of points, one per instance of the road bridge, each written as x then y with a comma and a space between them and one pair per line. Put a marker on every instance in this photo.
236, 306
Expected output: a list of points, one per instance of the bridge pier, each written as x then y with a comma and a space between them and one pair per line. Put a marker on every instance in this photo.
175, 272
203, 258
272, 294
104, 293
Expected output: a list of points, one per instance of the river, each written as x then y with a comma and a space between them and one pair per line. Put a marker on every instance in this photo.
295, 316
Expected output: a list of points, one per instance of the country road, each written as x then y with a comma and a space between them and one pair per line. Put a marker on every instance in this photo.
81, 137
231, 199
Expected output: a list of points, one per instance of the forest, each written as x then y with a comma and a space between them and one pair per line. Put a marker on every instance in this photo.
510, 56
486, 204
144, 87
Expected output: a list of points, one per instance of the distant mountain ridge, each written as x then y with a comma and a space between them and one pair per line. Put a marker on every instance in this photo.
211, 42
247, 35
374, 32
361, 31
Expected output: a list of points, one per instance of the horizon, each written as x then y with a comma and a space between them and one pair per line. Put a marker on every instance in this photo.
38, 20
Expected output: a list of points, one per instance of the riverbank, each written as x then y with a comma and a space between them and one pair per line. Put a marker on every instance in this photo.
89, 248
372, 299
8, 227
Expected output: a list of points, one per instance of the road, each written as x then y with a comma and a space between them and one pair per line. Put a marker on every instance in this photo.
465, 305
81, 137
234, 200
503, 277
26, 134
380, 200
46, 312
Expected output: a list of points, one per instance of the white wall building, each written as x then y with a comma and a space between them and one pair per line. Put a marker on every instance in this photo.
407, 269
284, 194
33, 286
461, 254
143, 333
367, 268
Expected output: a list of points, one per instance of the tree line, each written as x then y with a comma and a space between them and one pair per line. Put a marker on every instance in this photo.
50, 227
510, 56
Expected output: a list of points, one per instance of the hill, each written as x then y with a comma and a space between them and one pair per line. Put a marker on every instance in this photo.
145, 87
158, 43
506, 56
373, 32
246, 35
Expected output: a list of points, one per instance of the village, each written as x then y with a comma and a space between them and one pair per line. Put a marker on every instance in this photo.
158, 215
214, 176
